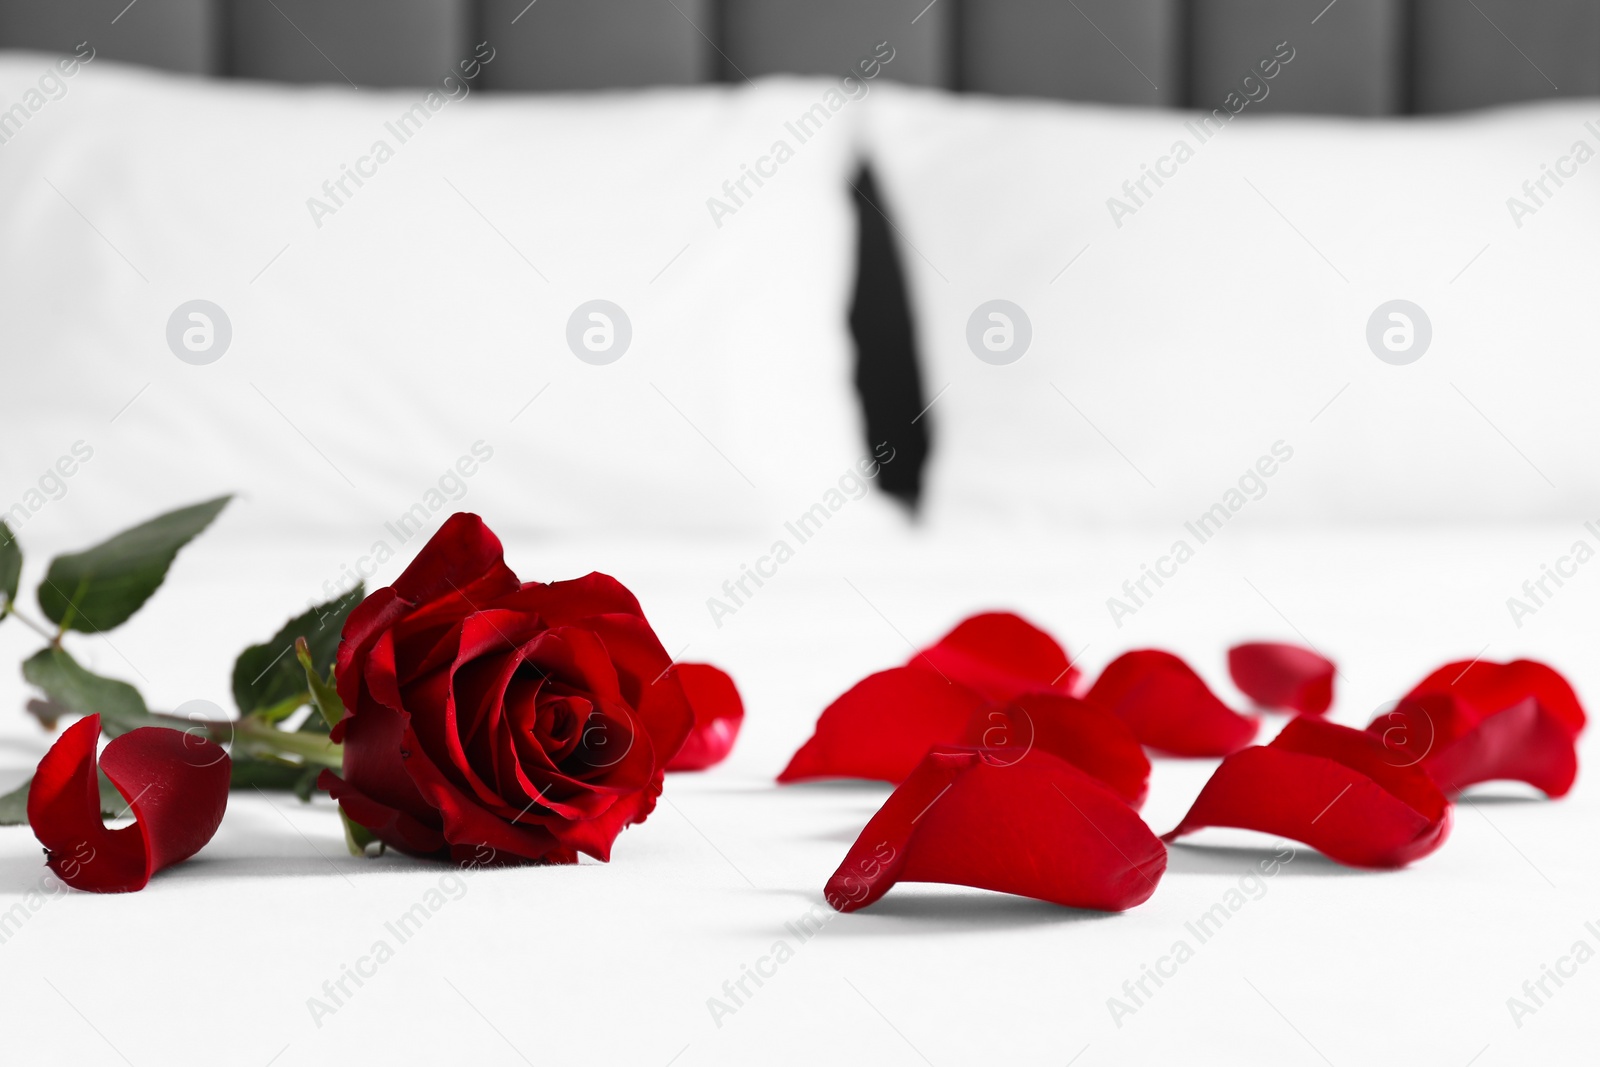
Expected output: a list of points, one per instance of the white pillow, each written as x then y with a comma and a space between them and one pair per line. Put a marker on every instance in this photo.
399, 346
1214, 327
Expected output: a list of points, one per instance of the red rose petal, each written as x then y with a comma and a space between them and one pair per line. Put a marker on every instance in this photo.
642, 672
601, 603
575, 599
1283, 676
1169, 707
999, 655
176, 786
1087, 736
883, 726
1490, 687
1037, 828
468, 825
1336, 789
718, 714
372, 733
1457, 748
463, 563
397, 829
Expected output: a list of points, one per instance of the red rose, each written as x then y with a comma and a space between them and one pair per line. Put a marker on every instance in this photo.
532, 719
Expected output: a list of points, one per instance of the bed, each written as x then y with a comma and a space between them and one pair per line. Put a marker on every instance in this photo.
731, 864
1421, 516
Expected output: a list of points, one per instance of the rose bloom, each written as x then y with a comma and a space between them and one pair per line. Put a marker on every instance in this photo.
484, 712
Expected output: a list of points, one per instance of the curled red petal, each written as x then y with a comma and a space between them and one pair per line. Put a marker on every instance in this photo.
176, 787
1169, 707
1087, 736
718, 714
1336, 789
883, 726
1457, 748
999, 655
1485, 688
1276, 675
1037, 828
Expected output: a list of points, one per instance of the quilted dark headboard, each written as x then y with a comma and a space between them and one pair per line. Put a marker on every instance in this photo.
1367, 57
1358, 57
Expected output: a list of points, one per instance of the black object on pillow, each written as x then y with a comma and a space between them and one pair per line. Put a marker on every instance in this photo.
887, 376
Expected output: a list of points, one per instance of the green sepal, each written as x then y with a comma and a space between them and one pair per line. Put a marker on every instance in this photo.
324, 697
358, 839
274, 776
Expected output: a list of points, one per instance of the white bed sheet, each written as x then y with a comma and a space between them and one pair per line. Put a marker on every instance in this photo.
616, 963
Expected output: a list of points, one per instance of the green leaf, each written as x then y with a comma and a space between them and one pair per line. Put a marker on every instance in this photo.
99, 588
323, 694
76, 690
275, 776
264, 756
306, 787
266, 676
14, 805
358, 839
10, 564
